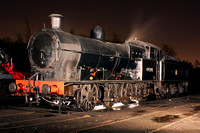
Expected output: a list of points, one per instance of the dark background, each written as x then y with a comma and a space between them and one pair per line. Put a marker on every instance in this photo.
171, 22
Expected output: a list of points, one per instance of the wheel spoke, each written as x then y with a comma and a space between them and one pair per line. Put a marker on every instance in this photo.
84, 91
83, 100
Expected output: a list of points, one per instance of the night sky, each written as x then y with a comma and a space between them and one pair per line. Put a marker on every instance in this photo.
176, 23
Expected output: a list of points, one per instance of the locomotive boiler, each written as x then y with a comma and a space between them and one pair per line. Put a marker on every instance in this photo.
91, 71
59, 56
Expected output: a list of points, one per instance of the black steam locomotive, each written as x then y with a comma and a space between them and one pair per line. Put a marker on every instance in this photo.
90, 71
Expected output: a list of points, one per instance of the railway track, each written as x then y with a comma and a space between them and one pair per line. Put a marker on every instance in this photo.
151, 116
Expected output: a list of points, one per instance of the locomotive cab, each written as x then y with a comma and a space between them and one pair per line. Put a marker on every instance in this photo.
152, 63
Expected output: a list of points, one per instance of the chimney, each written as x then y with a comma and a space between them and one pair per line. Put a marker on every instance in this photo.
56, 21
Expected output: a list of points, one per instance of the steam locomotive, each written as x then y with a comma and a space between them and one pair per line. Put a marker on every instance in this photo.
88, 71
